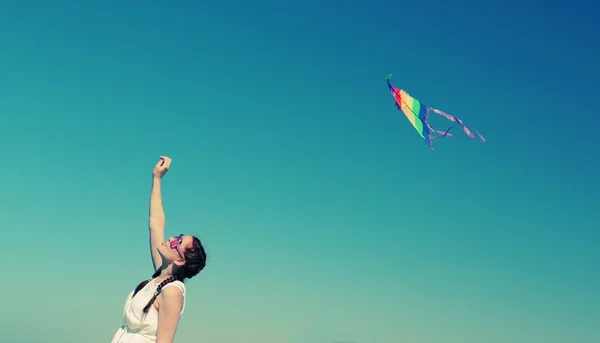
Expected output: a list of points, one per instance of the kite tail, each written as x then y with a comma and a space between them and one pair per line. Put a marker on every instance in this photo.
439, 132
460, 122
442, 133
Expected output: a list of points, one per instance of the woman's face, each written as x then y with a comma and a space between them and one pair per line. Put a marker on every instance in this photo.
173, 249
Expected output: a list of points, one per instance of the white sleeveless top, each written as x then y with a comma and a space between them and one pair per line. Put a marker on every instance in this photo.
140, 327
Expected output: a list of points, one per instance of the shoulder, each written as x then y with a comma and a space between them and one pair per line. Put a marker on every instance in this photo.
174, 290
174, 287
171, 293
172, 296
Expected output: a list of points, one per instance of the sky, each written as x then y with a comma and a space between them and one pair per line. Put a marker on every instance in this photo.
324, 215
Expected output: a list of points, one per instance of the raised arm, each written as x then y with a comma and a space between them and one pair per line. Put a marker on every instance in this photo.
156, 223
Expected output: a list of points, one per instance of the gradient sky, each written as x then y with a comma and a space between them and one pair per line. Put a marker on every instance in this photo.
324, 215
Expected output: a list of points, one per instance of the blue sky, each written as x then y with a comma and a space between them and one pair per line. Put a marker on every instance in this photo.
324, 215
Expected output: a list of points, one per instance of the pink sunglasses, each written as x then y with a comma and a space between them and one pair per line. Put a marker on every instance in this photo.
176, 244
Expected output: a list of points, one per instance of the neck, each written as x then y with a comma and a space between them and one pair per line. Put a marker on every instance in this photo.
165, 272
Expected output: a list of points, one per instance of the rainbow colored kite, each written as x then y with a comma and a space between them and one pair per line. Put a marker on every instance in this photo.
418, 114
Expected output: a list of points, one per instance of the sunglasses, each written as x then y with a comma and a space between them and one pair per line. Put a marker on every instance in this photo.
176, 244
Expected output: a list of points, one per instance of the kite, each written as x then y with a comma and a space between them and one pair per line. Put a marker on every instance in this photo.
418, 115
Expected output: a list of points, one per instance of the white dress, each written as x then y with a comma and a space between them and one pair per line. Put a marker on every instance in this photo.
140, 327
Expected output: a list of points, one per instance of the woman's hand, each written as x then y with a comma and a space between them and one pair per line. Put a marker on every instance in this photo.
162, 167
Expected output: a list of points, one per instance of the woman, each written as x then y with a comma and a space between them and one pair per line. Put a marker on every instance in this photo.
153, 309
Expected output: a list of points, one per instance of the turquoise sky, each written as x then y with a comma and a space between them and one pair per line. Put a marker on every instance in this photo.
325, 217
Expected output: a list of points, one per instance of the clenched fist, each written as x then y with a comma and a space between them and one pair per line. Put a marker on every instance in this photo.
162, 167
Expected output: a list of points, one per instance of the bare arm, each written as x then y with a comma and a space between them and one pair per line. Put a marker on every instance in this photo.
156, 222
170, 302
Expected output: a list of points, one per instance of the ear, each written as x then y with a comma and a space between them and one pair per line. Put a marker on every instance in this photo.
179, 262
